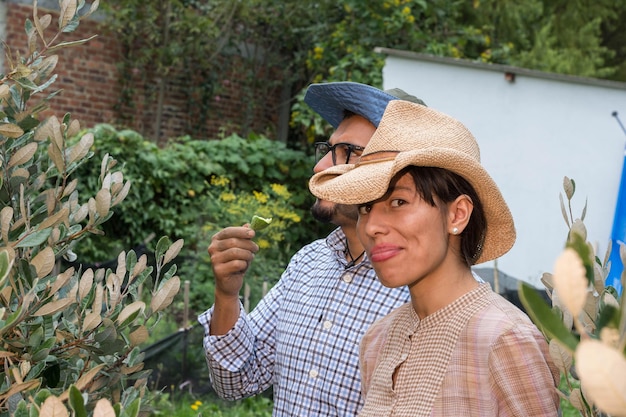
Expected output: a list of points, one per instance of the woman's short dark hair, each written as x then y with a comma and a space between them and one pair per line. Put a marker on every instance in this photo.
437, 183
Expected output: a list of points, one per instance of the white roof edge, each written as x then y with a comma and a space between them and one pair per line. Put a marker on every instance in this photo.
501, 68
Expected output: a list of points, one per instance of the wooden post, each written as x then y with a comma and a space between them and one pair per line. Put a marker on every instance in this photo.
246, 298
186, 306
496, 278
264, 286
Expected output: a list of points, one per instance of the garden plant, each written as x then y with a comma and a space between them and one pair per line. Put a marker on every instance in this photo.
70, 336
586, 324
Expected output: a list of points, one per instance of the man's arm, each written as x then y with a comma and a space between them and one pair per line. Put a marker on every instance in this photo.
231, 251
239, 347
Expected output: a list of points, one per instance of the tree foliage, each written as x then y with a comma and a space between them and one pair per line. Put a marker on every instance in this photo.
275, 47
70, 337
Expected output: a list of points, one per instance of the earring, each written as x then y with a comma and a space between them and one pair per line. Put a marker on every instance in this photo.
455, 231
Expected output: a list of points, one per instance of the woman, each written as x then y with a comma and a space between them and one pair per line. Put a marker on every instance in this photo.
428, 211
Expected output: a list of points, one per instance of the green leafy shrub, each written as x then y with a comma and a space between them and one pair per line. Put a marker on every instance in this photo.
586, 324
70, 336
191, 188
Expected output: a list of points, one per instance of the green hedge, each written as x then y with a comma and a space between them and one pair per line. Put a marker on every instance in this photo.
191, 188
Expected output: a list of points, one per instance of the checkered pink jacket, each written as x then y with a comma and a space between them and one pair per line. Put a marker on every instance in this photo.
478, 357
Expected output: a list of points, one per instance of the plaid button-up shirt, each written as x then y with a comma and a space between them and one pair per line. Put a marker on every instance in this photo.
303, 337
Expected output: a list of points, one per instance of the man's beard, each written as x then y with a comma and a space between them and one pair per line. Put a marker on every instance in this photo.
326, 212
323, 213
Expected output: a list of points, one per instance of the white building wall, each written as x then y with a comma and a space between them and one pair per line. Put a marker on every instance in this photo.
532, 132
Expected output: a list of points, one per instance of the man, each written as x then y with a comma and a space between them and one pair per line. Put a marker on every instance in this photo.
303, 336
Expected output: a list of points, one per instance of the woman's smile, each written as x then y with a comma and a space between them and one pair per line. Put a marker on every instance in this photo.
383, 252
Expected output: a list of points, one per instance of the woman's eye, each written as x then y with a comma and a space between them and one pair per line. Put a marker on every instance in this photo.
397, 202
364, 209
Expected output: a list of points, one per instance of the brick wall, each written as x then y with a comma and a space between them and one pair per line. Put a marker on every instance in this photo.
88, 78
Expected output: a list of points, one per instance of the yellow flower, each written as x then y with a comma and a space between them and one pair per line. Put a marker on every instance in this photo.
263, 244
318, 52
219, 181
411, 18
194, 407
280, 190
191, 193
227, 197
406, 10
260, 197
291, 216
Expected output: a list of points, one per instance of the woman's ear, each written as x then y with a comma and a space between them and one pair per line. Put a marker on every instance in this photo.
459, 212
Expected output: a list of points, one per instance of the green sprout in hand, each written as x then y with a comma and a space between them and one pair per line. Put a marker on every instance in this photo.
259, 223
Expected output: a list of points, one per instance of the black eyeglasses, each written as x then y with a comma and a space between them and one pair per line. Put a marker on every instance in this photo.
341, 151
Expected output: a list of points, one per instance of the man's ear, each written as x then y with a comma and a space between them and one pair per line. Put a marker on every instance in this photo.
459, 212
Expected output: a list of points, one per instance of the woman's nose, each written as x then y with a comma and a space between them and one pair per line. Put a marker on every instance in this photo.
373, 223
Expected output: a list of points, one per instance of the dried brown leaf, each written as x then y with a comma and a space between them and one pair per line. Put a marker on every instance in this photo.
81, 213
121, 195
173, 251
127, 370
6, 216
85, 283
140, 266
560, 356
114, 286
165, 295
53, 307
61, 280
91, 321
11, 130
103, 202
84, 380
5, 91
98, 298
121, 264
139, 335
129, 310
23, 155
103, 409
61, 216
47, 66
56, 156
20, 172
81, 149
43, 262
67, 13
70, 187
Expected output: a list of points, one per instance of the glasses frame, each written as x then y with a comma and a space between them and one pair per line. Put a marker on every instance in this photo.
326, 147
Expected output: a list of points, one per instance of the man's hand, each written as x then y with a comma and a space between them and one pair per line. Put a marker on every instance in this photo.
231, 251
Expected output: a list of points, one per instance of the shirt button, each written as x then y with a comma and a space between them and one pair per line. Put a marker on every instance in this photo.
313, 373
347, 278
328, 324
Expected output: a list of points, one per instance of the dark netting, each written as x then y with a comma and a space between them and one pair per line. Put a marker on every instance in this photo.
178, 363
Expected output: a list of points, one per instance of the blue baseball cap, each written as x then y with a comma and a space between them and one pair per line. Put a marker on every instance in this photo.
330, 100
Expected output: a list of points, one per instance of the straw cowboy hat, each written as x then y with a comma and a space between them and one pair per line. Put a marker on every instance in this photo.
329, 100
412, 134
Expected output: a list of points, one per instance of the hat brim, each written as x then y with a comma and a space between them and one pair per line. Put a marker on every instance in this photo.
340, 183
330, 100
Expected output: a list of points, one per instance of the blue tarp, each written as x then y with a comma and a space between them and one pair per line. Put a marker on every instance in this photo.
618, 235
